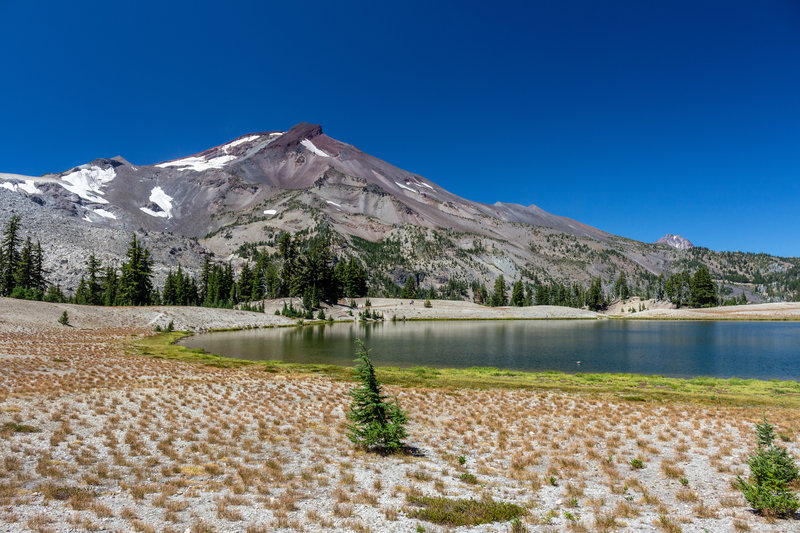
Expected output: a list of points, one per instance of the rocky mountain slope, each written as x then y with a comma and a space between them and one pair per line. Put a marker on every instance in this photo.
244, 193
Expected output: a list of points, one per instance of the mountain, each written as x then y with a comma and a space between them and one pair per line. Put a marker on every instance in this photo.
242, 194
676, 241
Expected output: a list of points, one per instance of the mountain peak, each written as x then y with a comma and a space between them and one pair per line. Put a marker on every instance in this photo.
676, 241
301, 131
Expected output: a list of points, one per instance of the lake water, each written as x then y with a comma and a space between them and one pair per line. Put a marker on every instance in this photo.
762, 350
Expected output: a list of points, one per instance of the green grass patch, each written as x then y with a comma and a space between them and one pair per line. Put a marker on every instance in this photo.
20, 428
631, 387
456, 513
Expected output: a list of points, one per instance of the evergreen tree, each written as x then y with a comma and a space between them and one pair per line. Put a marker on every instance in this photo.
54, 295
410, 289
135, 286
621, 290
37, 282
110, 286
82, 292
24, 272
377, 423
594, 296
677, 288
204, 275
660, 292
702, 290
542, 295
355, 279
244, 287
479, 295
10, 255
772, 470
94, 290
518, 294
499, 297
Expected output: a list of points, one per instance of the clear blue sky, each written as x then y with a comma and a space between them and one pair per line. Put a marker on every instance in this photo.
637, 117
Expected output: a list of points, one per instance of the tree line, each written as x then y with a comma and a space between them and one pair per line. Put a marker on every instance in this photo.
308, 269
301, 268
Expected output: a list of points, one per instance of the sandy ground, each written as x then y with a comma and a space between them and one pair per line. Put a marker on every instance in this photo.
771, 311
121, 442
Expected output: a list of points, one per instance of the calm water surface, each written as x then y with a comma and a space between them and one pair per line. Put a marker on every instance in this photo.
763, 350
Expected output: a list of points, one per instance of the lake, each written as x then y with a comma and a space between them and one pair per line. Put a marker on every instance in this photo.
762, 350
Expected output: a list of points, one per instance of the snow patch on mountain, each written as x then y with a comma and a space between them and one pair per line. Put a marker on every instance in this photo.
25, 186
406, 187
105, 214
310, 146
334, 203
198, 164
270, 211
162, 200
87, 182
237, 142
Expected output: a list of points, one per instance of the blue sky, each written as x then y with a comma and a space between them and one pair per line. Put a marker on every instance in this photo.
639, 118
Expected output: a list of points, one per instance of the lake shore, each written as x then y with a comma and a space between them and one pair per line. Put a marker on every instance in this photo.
105, 427
23, 315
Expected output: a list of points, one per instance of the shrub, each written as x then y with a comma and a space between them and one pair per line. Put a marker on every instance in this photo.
462, 512
771, 471
427, 304
466, 477
378, 424
64, 319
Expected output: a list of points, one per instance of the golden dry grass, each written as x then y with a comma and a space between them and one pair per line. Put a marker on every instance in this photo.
127, 442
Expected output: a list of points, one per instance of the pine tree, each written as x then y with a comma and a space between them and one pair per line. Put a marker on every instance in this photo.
621, 290
410, 289
135, 286
542, 295
377, 423
594, 296
677, 288
499, 294
772, 470
10, 254
38, 282
94, 290
518, 294
701, 289
204, 275
110, 286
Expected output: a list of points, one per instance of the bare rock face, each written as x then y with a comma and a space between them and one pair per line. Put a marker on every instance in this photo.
675, 241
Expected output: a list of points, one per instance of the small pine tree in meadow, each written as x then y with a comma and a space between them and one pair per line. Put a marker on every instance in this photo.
378, 424
64, 319
772, 469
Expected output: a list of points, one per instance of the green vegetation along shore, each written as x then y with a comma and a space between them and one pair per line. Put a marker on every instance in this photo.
631, 387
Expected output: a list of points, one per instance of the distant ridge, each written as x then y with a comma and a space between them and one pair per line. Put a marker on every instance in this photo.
675, 241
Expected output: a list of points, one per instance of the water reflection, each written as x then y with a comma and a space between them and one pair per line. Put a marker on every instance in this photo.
744, 349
